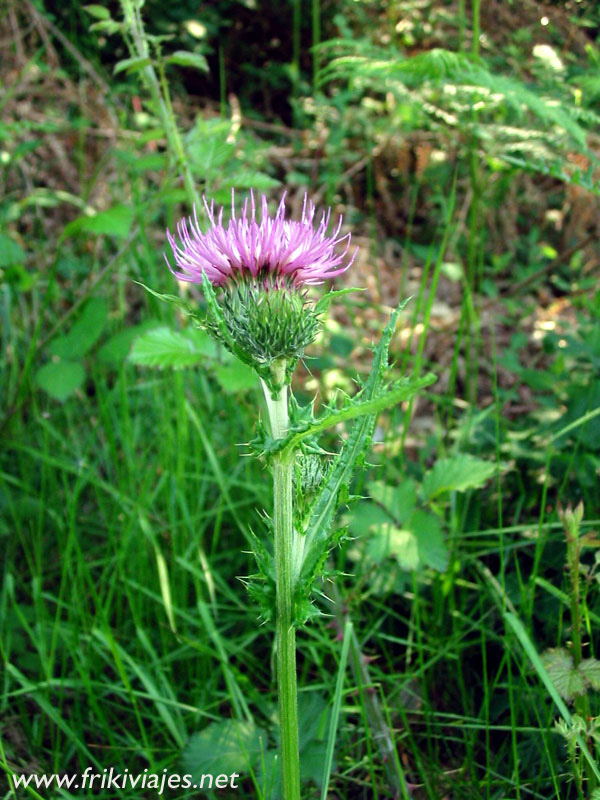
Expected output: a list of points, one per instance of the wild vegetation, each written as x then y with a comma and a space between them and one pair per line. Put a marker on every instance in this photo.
451, 651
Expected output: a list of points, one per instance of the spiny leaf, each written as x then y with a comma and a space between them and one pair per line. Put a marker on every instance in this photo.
340, 474
361, 407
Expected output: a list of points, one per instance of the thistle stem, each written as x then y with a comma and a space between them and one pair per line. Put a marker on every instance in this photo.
283, 473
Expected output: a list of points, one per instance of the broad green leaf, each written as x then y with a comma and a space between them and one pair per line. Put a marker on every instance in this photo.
99, 12
115, 221
398, 500
457, 474
235, 376
365, 516
207, 146
132, 64
590, 669
183, 58
429, 536
397, 542
116, 349
164, 347
568, 681
10, 251
223, 748
84, 333
60, 379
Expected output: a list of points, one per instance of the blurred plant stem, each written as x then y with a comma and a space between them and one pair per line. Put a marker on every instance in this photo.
138, 43
283, 473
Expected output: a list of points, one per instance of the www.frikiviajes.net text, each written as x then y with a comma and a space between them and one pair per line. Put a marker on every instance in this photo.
110, 779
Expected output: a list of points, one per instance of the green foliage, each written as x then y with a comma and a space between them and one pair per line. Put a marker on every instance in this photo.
66, 373
456, 474
164, 347
61, 379
223, 748
115, 221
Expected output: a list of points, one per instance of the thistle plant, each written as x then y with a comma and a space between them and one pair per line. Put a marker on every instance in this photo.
255, 272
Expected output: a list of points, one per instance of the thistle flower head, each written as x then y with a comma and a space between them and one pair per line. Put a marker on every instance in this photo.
276, 248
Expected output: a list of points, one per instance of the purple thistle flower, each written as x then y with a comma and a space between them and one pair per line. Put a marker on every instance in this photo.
274, 248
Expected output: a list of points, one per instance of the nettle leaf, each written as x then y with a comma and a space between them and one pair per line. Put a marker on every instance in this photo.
568, 681
85, 332
418, 545
431, 543
590, 669
399, 501
397, 542
313, 725
60, 379
223, 748
163, 347
116, 349
457, 474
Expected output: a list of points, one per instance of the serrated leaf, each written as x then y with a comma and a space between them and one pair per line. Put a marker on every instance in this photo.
568, 681
429, 536
60, 379
183, 58
366, 516
85, 332
223, 748
116, 349
133, 64
590, 669
163, 347
457, 474
398, 500
397, 542
99, 12
115, 221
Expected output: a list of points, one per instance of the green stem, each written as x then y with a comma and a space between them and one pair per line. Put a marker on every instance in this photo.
283, 521
158, 88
